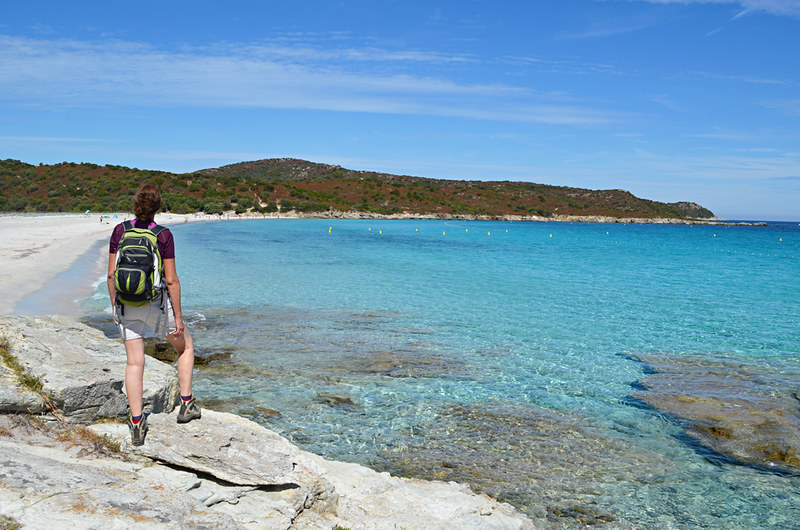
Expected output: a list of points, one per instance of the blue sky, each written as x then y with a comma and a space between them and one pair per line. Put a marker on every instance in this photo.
670, 99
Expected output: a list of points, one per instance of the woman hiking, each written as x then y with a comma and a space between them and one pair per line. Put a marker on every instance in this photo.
145, 292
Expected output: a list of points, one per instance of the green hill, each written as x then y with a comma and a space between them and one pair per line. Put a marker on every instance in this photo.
290, 184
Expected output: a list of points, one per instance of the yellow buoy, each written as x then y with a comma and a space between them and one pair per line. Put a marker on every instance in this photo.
380, 232
442, 233
781, 239
551, 235
490, 233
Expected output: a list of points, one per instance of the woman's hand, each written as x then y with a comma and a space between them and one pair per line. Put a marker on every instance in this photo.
179, 326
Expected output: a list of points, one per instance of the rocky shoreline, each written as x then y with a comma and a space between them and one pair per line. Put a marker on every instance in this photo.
65, 463
65, 456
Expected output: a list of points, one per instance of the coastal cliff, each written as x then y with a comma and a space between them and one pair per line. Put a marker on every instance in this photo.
66, 458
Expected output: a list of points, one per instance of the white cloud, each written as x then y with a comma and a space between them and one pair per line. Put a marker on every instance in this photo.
75, 73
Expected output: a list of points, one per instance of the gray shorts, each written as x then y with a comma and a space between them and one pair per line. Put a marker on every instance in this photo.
132, 321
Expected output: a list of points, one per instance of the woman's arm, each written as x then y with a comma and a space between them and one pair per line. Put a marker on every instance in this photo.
113, 248
112, 266
174, 289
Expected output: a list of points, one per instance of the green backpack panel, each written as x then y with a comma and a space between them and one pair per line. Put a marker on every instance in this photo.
138, 276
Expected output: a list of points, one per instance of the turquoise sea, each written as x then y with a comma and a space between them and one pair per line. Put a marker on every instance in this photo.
498, 353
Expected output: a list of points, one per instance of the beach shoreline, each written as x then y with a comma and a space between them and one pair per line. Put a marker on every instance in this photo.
49, 261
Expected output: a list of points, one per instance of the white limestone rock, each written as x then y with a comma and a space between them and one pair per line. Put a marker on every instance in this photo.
47, 487
82, 369
224, 445
372, 500
14, 398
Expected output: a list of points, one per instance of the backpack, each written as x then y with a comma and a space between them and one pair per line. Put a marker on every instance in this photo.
138, 276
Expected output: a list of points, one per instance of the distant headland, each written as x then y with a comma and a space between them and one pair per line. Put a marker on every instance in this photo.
299, 188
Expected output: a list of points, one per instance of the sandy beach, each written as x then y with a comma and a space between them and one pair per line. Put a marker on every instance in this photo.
36, 248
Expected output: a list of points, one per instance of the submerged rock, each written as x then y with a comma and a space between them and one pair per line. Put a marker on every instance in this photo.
584, 514
407, 363
747, 412
163, 351
342, 401
160, 349
551, 465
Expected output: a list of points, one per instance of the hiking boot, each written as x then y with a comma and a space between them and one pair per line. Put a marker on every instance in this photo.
190, 410
138, 431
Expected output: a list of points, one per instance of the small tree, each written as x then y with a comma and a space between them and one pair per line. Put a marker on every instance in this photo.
212, 207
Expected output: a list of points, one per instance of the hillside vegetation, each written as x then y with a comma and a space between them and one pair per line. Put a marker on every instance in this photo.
285, 184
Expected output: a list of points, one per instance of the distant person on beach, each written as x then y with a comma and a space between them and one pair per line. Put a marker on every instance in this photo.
159, 309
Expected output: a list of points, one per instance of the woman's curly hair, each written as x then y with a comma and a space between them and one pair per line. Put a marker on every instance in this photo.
147, 202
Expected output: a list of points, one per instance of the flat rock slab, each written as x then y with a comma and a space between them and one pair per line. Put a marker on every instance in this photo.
394, 502
747, 412
49, 488
226, 446
81, 368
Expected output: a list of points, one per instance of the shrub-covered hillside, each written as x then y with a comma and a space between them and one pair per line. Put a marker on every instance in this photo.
290, 184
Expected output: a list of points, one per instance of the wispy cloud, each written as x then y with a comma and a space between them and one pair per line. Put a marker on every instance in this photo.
723, 167
70, 72
729, 136
752, 80
297, 51
562, 66
609, 27
599, 32
774, 7
667, 102
53, 139
786, 106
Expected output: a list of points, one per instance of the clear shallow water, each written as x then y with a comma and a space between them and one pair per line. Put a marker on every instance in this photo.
490, 352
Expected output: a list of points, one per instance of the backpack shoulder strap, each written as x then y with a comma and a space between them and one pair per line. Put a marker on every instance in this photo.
157, 229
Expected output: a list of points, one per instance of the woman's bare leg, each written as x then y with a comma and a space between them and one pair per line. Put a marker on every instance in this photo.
185, 348
134, 374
